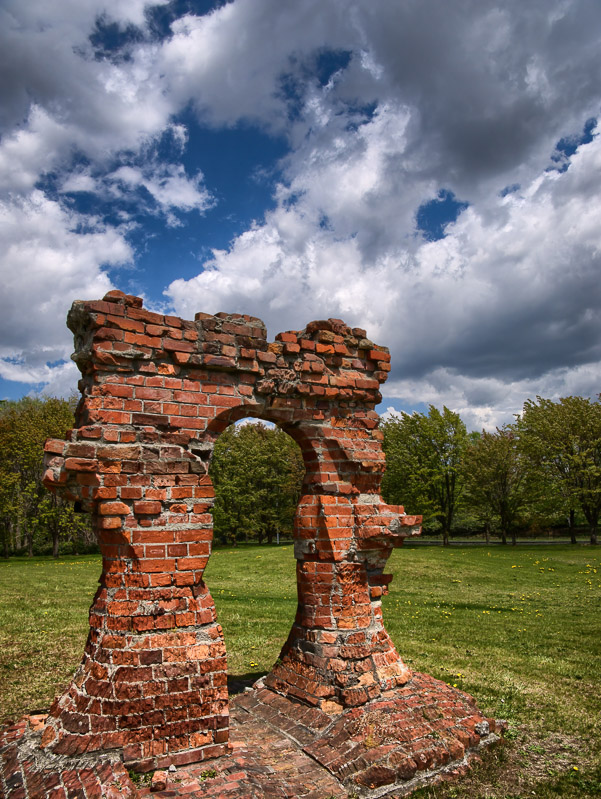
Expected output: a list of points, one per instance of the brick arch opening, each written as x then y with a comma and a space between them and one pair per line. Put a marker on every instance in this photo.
337, 653
156, 391
287, 461
302, 436
268, 629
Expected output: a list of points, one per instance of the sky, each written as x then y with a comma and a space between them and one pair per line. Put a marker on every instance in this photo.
427, 170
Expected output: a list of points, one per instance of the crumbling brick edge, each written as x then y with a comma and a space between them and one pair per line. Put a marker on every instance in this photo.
28, 771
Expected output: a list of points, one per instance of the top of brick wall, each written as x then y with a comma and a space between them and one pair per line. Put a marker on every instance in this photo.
327, 360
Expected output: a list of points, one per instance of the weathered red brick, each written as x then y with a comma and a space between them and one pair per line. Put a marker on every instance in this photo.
81, 465
147, 413
143, 507
113, 509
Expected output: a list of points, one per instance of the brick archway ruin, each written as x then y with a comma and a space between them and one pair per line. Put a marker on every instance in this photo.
156, 393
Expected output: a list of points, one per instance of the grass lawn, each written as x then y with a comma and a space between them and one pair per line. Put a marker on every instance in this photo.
518, 628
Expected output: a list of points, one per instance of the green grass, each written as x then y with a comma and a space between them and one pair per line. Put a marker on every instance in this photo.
518, 628
43, 627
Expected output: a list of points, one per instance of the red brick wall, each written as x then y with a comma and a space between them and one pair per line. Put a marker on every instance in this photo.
156, 393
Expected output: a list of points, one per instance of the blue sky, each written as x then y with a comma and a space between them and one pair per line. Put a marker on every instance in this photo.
428, 171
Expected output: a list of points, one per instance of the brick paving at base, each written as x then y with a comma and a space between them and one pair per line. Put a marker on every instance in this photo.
27, 772
421, 733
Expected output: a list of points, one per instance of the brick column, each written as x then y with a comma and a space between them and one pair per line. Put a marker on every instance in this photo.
153, 679
338, 653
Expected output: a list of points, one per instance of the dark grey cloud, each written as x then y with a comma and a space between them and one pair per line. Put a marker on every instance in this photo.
468, 97
493, 84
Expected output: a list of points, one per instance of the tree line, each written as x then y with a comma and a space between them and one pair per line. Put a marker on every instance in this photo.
542, 471
32, 519
257, 472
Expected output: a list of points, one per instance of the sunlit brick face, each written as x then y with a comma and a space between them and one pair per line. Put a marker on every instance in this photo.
156, 393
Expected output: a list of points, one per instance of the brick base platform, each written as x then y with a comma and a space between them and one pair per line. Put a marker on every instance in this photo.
423, 732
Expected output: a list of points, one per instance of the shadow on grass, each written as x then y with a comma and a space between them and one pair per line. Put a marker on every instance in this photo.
237, 683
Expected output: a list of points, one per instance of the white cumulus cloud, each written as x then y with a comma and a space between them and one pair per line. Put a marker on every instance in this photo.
383, 106
47, 263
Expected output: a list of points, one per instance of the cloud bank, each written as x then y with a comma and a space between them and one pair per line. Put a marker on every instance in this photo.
383, 108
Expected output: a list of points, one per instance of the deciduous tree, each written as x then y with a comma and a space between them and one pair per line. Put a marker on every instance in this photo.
500, 484
27, 510
257, 472
423, 463
564, 440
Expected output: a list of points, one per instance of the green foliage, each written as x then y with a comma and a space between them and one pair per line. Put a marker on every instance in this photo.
140, 780
257, 472
529, 475
501, 486
423, 463
29, 514
563, 440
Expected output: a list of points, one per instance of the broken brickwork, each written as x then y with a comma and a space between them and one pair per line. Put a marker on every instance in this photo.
156, 393
422, 733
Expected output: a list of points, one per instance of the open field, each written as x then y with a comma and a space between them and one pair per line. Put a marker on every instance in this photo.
518, 628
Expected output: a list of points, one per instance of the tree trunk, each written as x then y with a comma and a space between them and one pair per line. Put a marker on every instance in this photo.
55, 543
592, 517
503, 537
571, 520
513, 539
487, 532
445, 538
29, 536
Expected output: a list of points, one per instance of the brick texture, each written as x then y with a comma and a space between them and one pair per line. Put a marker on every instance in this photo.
422, 733
156, 393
